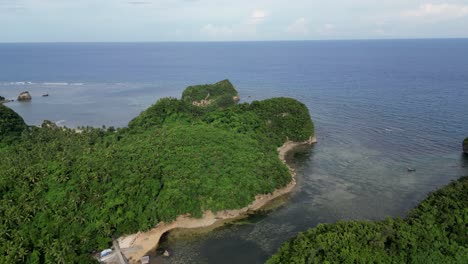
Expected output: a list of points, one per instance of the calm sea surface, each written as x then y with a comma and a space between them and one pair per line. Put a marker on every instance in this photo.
379, 108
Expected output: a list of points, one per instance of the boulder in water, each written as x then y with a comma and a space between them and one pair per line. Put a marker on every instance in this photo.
24, 96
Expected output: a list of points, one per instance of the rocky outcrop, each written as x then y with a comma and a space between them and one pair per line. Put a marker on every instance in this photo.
24, 96
2, 100
203, 102
465, 146
49, 124
221, 94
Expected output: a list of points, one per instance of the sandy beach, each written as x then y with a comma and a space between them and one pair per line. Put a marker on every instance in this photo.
138, 245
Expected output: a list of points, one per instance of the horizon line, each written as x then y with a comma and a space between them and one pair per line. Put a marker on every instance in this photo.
230, 41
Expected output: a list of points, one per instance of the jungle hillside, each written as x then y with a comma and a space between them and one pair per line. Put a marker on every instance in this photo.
66, 193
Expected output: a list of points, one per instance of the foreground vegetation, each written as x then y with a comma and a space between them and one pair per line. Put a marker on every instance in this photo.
65, 194
11, 125
436, 231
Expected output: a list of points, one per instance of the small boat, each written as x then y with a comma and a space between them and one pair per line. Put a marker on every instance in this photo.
411, 170
45, 95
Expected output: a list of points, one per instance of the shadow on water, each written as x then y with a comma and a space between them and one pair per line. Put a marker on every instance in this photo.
464, 162
225, 248
217, 249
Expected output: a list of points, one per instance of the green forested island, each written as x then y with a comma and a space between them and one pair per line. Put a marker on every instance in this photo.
436, 231
66, 193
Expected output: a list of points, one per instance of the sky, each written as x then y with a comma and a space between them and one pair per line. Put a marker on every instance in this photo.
229, 20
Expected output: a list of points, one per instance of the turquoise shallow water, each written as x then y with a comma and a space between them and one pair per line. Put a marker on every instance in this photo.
379, 108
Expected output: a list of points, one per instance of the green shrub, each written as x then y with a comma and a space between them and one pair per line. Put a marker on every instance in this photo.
284, 119
207, 168
165, 110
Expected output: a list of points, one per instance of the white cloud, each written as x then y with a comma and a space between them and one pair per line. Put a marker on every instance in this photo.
299, 27
157, 20
220, 32
217, 31
437, 11
326, 29
140, 2
246, 28
380, 32
258, 15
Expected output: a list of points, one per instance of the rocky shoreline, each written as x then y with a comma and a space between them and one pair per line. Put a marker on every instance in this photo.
138, 245
3, 100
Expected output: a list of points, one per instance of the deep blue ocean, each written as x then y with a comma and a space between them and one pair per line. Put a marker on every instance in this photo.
379, 107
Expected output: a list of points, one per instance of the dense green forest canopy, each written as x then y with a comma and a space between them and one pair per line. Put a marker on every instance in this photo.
436, 231
65, 194
11, 125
